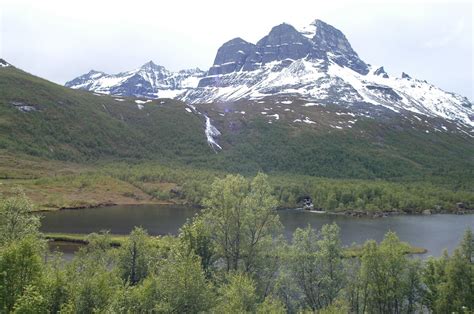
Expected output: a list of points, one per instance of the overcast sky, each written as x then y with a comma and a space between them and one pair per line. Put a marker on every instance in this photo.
59, 40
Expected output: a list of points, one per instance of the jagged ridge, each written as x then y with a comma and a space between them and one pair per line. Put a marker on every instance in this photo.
316, 63
149, 81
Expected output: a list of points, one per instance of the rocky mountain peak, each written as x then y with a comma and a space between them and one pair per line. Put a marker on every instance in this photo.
281, 32
4, 63
330, 40
231, 56
318, 41
92, 71
283, 42
150, 66
381, 72
150, 81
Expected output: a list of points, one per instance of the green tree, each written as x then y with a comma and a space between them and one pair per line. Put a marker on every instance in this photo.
238, 295
133, 256
433, 274
389, 279
271, 306
20, 267
195, 237
16, 220
316, 264
182, 285
449, 280
141, 298
54, 287
242, 220
92, 280
31, 302
467, 246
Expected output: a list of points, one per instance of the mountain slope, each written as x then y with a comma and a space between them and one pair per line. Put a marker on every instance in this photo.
43, 119
40, 118
148, 81
318, 64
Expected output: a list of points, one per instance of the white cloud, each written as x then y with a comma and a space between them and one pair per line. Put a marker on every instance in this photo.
450, 35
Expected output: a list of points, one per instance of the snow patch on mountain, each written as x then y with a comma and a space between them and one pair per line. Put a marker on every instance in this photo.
321, 82
315, 64
138, 101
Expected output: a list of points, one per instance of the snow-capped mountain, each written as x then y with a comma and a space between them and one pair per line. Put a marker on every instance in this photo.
317, 63
149, 81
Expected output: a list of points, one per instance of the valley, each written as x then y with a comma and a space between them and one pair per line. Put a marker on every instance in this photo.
290, 176
78, 149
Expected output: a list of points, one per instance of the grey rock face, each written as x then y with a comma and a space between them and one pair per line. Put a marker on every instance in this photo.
384, 92
285, 43
231, 56
405, 76
381, 72
329, 39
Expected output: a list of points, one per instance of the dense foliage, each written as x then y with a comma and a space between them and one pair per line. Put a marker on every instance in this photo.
80, 126
327, 194
229, 259
378, 165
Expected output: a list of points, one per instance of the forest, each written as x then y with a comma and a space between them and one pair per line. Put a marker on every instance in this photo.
230, 258
328, 194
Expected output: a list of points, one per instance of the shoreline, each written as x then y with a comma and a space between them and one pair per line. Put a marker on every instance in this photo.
348, 213
379, 214
104, 204
116, 240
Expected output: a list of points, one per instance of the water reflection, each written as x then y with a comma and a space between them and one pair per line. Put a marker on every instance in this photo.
434, 232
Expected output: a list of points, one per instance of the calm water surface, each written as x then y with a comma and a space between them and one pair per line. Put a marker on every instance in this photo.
434, 232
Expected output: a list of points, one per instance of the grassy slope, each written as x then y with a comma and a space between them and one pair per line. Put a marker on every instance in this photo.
393, 149
164, 148
76, 125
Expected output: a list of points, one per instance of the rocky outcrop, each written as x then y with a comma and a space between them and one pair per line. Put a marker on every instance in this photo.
381, 72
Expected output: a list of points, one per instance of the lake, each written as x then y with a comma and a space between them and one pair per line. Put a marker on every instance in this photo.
434, 232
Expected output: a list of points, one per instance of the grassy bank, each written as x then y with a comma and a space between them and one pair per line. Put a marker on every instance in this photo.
118, 240
115, 240
53, 185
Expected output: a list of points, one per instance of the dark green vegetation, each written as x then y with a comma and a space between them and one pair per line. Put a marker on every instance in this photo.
75, 125
77, 149
231, 258
80, 126
53, 185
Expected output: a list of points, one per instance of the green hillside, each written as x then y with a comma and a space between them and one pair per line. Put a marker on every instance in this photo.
74, 125
70, 148
79, 126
